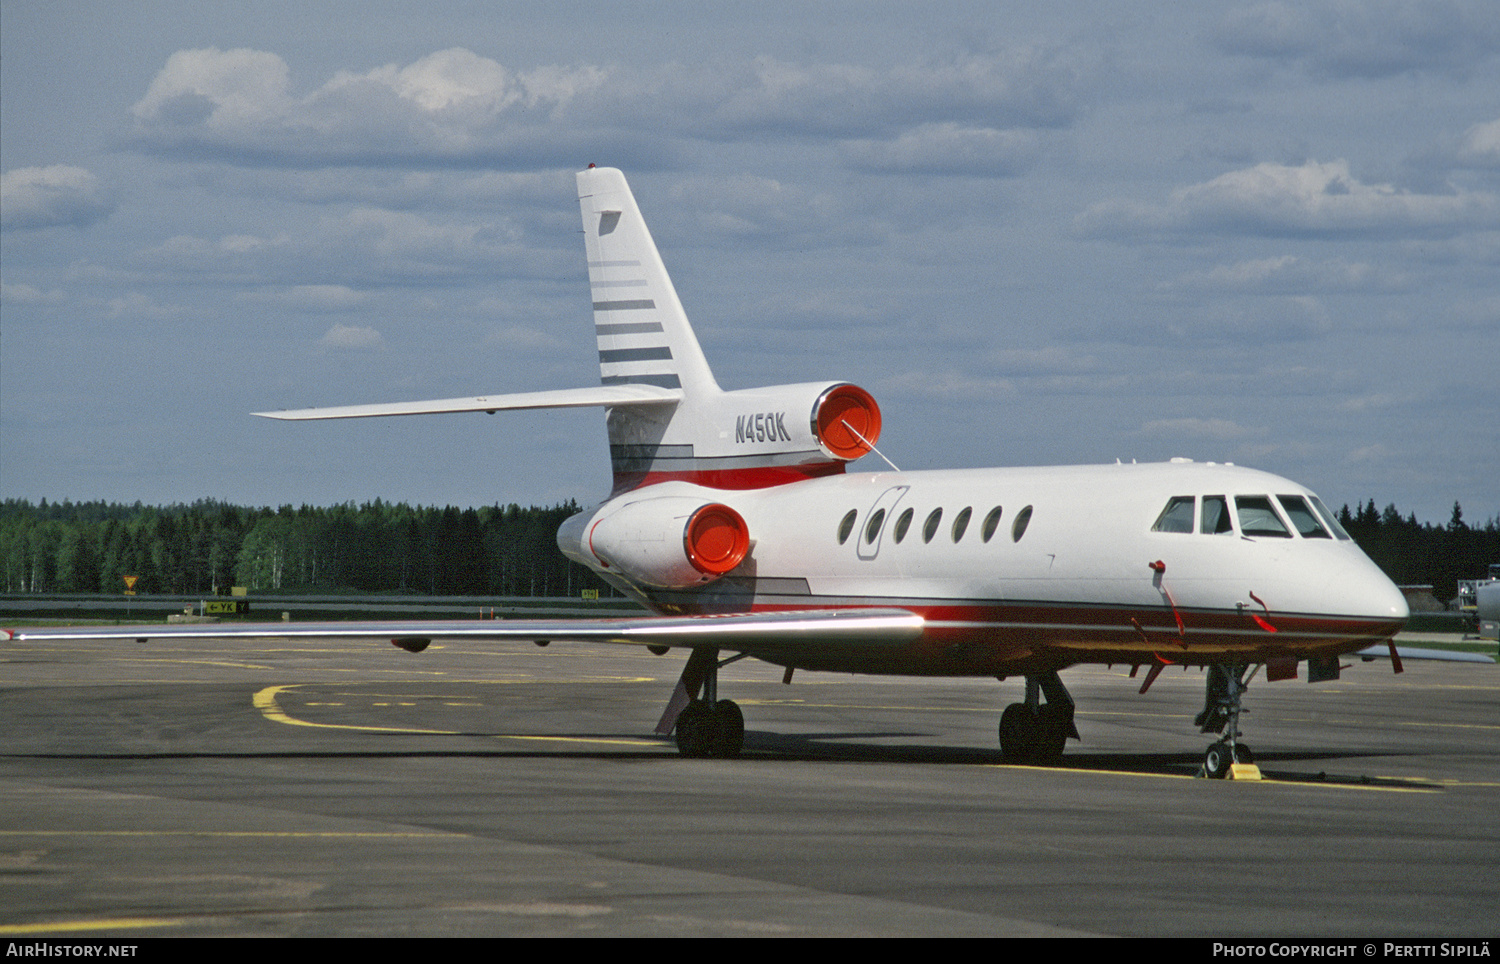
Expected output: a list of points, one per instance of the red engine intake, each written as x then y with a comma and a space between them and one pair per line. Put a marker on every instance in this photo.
846, 422
671, 543
716, 539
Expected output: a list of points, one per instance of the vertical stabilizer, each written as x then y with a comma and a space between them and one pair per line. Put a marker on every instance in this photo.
743, 439
644, 335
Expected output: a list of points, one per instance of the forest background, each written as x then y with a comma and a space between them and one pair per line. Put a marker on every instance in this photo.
380, 547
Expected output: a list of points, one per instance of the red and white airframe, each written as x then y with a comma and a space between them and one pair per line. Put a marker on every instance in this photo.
733, 519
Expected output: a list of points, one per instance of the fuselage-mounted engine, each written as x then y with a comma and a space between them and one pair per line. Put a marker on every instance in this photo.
666, 542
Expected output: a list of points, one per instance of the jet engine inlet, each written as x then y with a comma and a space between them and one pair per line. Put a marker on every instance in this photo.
716, 539
846, 421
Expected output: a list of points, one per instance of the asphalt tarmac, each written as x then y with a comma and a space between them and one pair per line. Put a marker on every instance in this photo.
337, 789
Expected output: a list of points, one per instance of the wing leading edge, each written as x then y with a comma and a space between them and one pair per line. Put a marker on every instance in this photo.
824, 631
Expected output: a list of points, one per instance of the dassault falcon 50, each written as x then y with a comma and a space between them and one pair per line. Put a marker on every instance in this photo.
733, 519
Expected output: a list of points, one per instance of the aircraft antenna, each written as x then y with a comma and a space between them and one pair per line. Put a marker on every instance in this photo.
855, 432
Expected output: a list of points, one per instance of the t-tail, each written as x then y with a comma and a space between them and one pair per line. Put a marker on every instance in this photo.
727, 440
667, 417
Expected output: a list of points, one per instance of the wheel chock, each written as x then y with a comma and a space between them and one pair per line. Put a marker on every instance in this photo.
1244, 771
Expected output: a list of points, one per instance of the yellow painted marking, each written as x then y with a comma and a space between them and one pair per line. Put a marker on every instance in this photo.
265, 701
200, 662
82, 926
292, 834
1265, 781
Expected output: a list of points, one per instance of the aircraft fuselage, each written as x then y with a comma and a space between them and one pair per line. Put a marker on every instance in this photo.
1024, 570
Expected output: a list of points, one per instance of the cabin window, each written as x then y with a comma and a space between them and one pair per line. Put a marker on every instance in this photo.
847, 526
991, 523
1328, 517
1302, 516
872, 528
929, 528
1018, 528
1177, 516
903, 523
1215, 517
961, 522
1257, 518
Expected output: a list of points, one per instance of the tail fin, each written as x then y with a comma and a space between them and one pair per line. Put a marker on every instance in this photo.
668, 419
644, 335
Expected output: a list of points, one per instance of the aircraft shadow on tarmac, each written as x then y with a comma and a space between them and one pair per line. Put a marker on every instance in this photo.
832, 747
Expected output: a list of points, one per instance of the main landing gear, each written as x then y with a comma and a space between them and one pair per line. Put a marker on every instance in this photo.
706, 726
1225, 689
1033, 731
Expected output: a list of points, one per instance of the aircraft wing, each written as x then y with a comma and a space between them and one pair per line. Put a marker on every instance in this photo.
1414, 652
601, 395
811, 631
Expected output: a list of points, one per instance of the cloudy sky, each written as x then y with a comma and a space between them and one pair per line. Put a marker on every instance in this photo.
1259, 232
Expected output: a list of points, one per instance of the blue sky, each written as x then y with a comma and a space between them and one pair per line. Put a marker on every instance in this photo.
1266, 233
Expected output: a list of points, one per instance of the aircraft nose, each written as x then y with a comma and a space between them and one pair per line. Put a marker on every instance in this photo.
1381, 599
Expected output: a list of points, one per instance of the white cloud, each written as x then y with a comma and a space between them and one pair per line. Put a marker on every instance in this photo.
45, 197
1310, 199
457, 107
452, 105
1220, 429
322, 298
351, 337
524, 339
1286, 274
945, 386
947, 148
1365, 38
25, 294
1481, 145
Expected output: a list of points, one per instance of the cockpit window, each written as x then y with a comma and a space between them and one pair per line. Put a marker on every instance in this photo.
1303, 519
1257, 518
1215, 518
1177, 516
1329, 519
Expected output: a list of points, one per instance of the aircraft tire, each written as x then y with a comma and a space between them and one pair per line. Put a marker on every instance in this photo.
729, 729
1052, 724
1217, 761
1242, 754
1017, 733
695, 730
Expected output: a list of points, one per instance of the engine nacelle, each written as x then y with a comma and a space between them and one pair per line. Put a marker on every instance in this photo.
838, 419
672, 542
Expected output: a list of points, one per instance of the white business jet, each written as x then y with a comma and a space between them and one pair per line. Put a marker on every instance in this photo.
733, 519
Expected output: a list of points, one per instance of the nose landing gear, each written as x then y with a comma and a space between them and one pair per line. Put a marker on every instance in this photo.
1224, 693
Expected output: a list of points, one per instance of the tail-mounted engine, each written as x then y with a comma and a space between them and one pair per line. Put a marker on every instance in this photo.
817, 421
746, 439
673, 542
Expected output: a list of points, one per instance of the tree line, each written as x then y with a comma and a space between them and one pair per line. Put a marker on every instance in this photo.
208, 546
382, 547
1417, 553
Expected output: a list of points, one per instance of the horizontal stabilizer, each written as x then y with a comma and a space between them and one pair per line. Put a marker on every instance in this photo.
603, 395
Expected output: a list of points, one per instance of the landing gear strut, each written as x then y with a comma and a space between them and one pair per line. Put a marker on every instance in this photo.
706, 726
1033, 731
1225, 689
